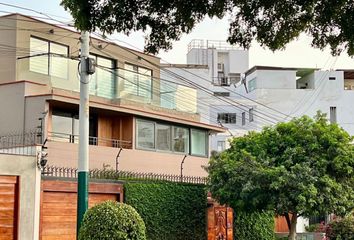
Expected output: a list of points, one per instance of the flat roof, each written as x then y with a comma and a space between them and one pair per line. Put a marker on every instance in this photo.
348, 73
300, 71
192, 66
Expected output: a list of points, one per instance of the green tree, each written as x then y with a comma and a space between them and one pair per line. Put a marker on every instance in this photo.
300, 168
272, 23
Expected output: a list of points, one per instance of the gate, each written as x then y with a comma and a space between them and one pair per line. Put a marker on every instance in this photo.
59, 201
220, 222
8, 207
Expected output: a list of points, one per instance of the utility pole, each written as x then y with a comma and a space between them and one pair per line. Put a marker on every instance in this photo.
83, 162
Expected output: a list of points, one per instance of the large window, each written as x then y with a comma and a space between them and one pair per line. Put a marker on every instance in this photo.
252, 84
229, 118
198, 142
180, 139
65, 126
48, 58
165, 137
145, 134
138, 81
102, 83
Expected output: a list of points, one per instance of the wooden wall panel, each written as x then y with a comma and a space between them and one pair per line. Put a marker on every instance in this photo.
58, 210
8, 207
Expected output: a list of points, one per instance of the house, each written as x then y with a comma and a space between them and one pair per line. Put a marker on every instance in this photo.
137, 122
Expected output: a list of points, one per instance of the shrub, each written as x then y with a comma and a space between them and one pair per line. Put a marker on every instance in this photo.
112, 221
341, 229
254, 226
172, 211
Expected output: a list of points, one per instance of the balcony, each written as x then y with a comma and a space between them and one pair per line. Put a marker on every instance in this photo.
117, 85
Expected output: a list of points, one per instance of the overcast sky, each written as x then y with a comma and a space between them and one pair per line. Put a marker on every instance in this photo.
297, 54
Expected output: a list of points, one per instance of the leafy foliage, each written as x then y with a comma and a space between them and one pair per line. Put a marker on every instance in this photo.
273, 23
341, 229
254, 226
303, 167
112, 221
171, 211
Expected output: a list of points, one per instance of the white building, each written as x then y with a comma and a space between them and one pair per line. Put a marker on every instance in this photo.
243, 99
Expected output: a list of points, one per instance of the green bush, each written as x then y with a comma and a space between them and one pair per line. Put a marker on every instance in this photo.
341, 229
254, 226
171, 211
112, 221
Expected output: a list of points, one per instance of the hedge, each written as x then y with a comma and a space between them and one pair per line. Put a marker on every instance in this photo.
254, 226
172, 211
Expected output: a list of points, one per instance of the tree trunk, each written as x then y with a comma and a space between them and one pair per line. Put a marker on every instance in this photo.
292, 232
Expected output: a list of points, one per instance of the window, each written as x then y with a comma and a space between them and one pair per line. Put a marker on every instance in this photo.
138, 81
65, 126
220, 146
198, 142
333, 114
180, 140
102, 82
250, 113
229, 118
252, 84
145, 134
163, 137
243, 118
48, 58
222, 94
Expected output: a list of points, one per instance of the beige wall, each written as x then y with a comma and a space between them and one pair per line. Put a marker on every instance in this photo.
8, 56
66, 154
29, 181
12, 108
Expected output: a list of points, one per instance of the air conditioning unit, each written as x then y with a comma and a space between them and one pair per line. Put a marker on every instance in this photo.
234, 78
220, 67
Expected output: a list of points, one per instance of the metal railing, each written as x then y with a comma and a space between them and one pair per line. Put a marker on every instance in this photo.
66, 172
217, 44
20, 144
70, 138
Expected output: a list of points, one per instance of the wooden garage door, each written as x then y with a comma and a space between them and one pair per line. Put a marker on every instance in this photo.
8, 207
58, 209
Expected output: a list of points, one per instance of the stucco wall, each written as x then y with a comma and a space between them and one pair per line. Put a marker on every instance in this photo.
29, 193
66, 155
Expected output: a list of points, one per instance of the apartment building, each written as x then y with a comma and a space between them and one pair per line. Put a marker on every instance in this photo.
135, 124
243, 99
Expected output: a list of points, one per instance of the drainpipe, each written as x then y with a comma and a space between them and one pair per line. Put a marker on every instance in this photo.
182, 166
117, 159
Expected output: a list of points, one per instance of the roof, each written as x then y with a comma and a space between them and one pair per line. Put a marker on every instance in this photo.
348, 73
71, 29
300, 71
193, 66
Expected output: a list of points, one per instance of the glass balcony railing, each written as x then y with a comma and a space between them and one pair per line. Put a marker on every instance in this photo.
113, 84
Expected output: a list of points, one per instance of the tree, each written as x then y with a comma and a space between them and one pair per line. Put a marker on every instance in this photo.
300, 168
272, 23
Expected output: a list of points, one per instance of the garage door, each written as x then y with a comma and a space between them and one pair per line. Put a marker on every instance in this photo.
58, 210
8, 207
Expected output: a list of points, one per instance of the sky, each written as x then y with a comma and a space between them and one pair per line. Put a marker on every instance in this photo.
298, 53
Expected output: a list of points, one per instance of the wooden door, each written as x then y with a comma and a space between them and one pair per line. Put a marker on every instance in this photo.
220, 223
8, 207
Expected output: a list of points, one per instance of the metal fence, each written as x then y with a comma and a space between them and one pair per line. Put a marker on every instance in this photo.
66, 172
20, 144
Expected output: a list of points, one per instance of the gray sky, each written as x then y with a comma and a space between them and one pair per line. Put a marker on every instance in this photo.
297, 54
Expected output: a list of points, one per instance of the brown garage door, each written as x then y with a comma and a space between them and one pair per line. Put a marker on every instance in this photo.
8, 207
58, 209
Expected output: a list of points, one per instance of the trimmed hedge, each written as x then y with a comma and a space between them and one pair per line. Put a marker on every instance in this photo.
254, 226
112, 221
172, 211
